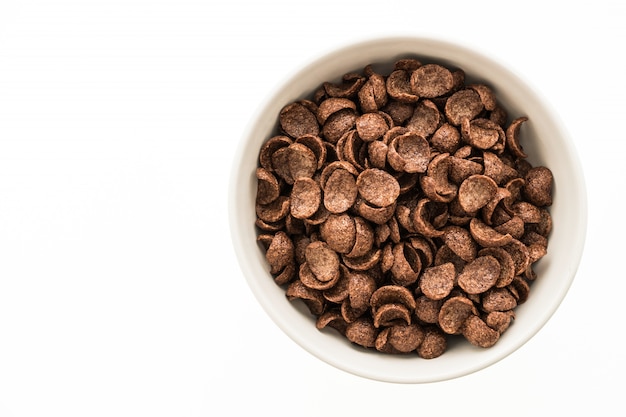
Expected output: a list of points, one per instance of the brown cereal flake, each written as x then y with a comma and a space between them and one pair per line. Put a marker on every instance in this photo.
437, 281
478, 333
479, 275
297, 120
464, 104
454, 312
431, 80
378, 187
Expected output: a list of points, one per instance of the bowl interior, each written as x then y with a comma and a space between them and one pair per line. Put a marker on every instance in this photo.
543, 138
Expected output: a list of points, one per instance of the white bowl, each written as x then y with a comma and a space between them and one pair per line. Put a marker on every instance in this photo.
544, 140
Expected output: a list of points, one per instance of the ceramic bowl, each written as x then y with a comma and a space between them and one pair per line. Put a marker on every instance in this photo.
546, 142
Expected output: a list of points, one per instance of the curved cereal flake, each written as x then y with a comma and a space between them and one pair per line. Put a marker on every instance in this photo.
520, 255
478, 333
297, 120
425, 119
512, 139
348, 87
340, 191
437, 281
544, 226
476, 191
382, 342
378, 187
515, 187
365, 262
537, 245
349, 149
339, 232
312, 298
280, 163
362, 332
406, 264
427, 310
446, 138
316, 145
373, 95
407, 181
487, 96
363, 238
425, 248
499, 116
338, 292
393, 133
274, 211
399, 86
269, 147
398, 111
500, 320
496, 169
454, 312
288, 273
331, 319
318, 218
377, 215
435, 184
421, 219
377, 154
280, 252
529, 213
520, 289
486, 236
382, 233
433, 345
513, 226
431, 80
538, 186
338, 124
264, 239
332, 166
490, 208
479, 275
270, 226
498, 299
386, 257
481, 133
403, 216
507, 266
322, 260
409, 152
332, 105
460, 241
392, 294
268, 188
405, 338
390, 314
350, 313
308, 278
305, 198
301, 161
371, 126
361, 286
464, 104
461, 169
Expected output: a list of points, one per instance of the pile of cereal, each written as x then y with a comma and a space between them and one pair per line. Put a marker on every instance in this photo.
402, 209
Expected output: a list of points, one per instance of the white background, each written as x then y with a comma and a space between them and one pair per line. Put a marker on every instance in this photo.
120, 294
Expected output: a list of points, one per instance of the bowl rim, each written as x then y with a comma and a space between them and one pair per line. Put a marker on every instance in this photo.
235, 195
